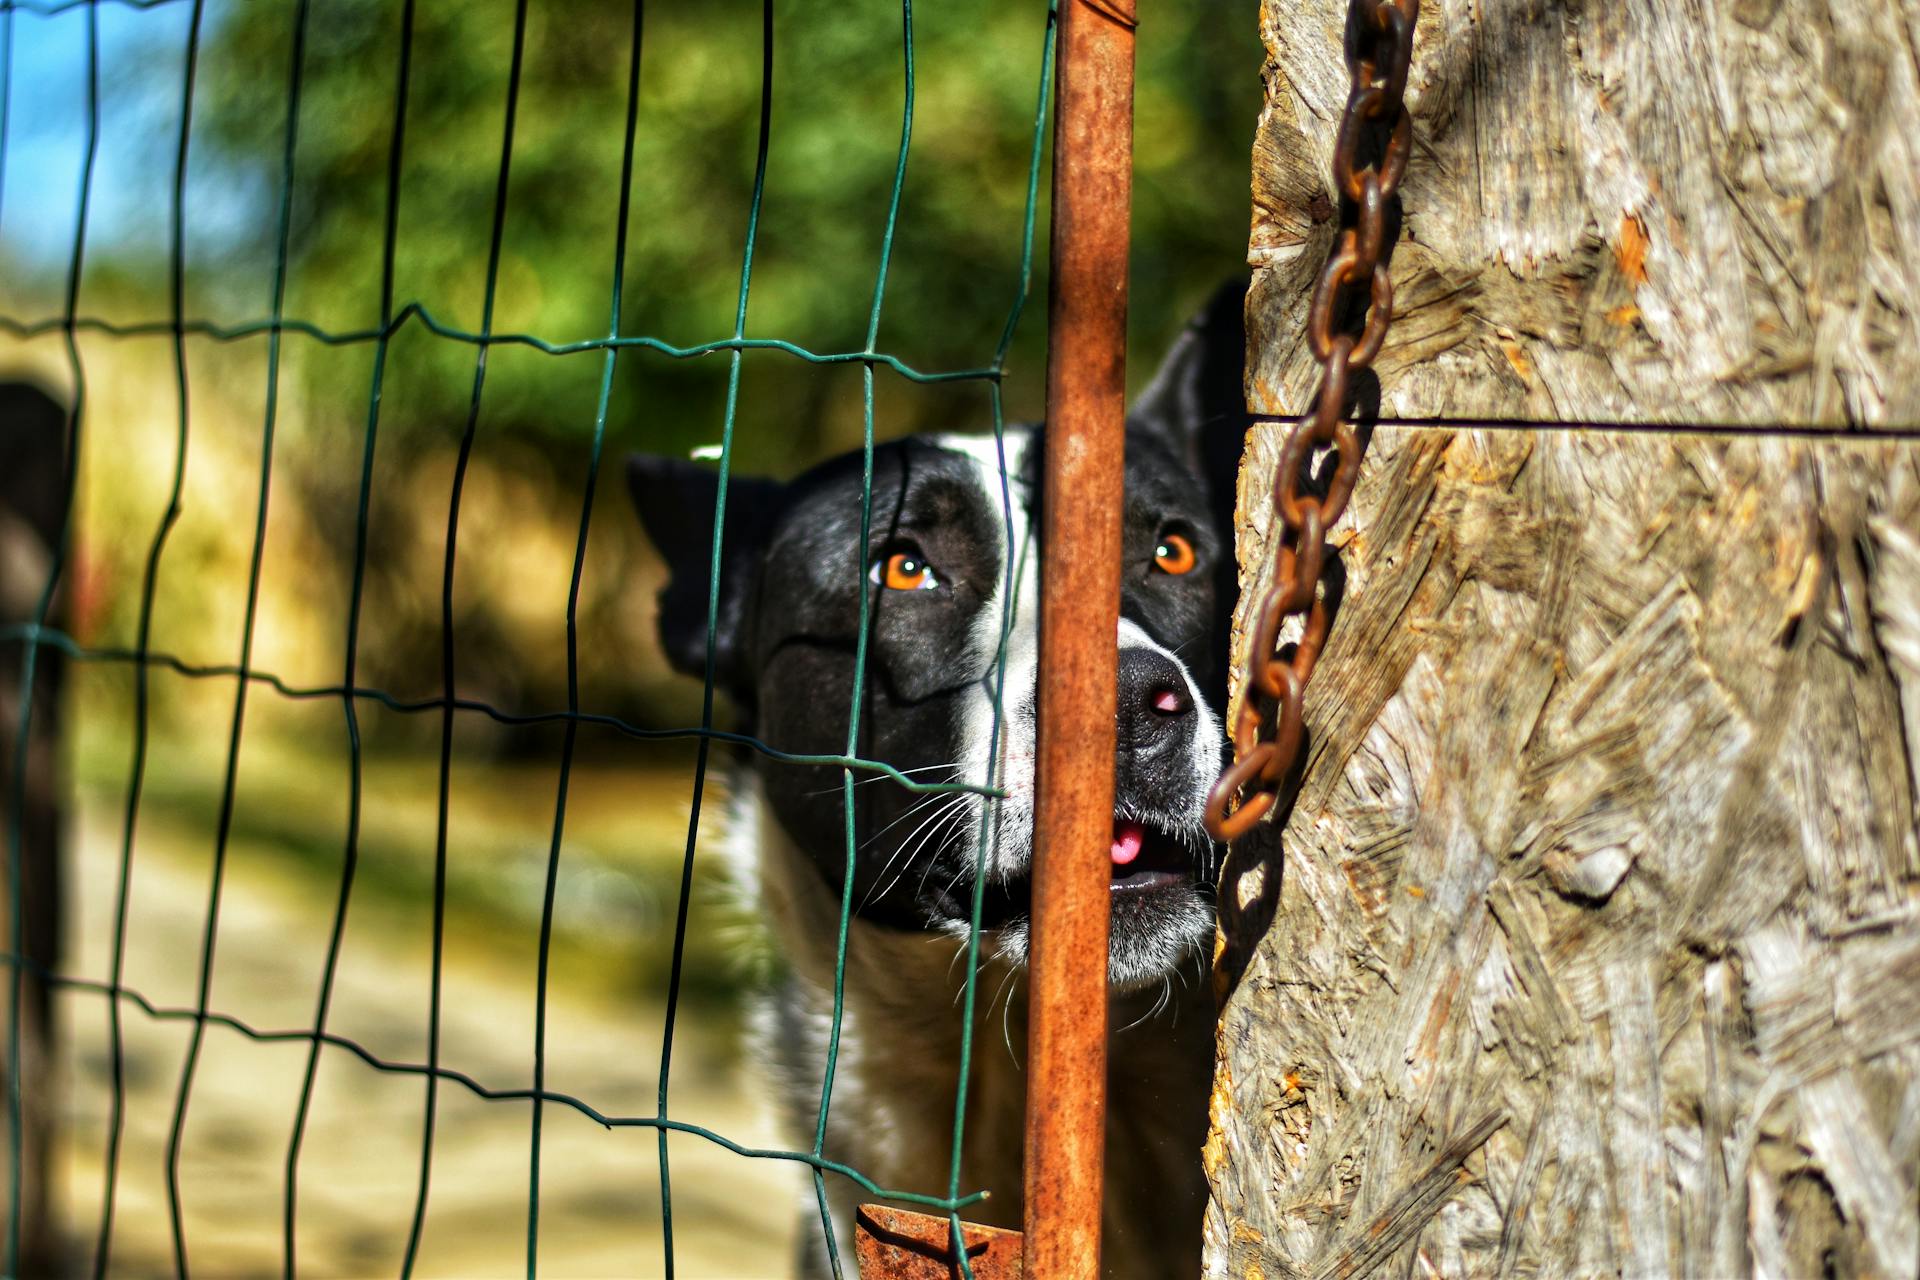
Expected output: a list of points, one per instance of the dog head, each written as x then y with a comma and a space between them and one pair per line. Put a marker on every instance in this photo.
950, 574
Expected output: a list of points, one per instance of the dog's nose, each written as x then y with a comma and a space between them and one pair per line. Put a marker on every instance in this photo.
1155, 704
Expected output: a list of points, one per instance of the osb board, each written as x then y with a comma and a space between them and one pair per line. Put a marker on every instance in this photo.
1595, 947
1614, 211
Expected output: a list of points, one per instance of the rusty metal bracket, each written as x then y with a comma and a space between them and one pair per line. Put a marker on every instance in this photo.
899, 1244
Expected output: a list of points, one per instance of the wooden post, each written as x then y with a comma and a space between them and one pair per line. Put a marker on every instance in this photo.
33, 438
1591, 943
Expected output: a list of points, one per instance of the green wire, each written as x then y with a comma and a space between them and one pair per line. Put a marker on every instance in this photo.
51, 8
169, 1014
414, 311
573, 642
52, 638
1014, 576
350, 857
15, 833
149, 587
229, 785
713, 617
37, 634
467, 436
860, 640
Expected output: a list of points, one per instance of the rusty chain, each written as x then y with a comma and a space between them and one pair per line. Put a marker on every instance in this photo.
1265, 746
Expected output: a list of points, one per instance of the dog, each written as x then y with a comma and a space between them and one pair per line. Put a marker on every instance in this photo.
951, 561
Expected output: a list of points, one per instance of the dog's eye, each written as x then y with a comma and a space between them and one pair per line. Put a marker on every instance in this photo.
1174, 554
903, 571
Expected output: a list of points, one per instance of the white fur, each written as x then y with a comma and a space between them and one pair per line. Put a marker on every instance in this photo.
1011, 766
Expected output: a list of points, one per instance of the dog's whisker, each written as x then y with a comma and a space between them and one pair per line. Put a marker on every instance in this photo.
925, 835
941, 815
965, 867
915, 808
1136, 1022
895, 857
951, 884
931, 802
1006, 1013
959, 950
936, 825
1006, 982
960, 992
992, 865
1166, 994
948, 818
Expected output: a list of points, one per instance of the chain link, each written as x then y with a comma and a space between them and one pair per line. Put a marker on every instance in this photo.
1268, 734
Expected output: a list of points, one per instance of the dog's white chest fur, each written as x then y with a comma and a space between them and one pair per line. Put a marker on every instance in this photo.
891, 1115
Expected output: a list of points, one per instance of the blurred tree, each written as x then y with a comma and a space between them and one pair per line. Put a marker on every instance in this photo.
838, 89
837, 96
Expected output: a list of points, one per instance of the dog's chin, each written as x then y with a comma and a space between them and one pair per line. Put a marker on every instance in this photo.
1162, 913
1149, 940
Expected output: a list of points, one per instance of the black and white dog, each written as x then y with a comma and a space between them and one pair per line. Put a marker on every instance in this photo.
937, 570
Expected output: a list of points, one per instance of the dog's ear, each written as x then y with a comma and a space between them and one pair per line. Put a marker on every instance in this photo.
675, 500
1197, 402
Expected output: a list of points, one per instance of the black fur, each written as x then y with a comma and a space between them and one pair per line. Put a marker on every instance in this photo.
794, 573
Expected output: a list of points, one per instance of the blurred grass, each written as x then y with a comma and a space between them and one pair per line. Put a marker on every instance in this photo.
625, 835
361, 1157
618, 885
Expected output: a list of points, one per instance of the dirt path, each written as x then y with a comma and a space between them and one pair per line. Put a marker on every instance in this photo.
600, 1206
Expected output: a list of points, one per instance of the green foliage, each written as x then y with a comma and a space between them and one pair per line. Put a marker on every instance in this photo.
838, 88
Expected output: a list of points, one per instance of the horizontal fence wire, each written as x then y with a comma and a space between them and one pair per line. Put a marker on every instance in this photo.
31, 638
167, 1013
414, 311
53, 638
1794, 430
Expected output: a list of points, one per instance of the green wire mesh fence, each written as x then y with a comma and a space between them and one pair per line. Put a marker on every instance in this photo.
30, 643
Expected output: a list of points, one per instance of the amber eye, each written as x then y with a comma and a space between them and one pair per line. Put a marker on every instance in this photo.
903, 571
1174, 554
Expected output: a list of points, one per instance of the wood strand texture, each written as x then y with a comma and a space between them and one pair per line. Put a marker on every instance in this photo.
1595, 946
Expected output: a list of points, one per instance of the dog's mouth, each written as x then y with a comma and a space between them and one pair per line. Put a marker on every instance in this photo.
1147, 857
1147, 860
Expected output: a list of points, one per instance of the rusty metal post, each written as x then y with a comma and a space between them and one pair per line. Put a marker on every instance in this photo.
1079, 650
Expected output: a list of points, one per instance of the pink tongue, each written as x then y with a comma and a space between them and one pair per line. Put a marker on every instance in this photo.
1126, 842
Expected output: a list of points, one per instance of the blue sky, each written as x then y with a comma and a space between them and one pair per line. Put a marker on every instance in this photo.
142, 57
